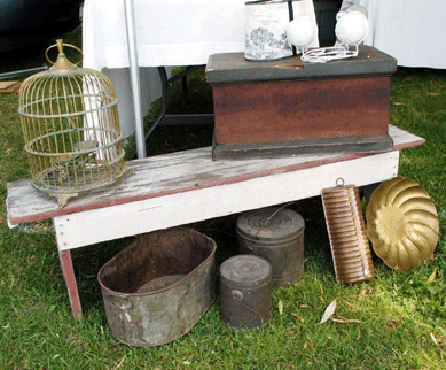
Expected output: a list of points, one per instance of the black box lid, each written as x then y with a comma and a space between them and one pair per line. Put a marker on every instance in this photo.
232, 68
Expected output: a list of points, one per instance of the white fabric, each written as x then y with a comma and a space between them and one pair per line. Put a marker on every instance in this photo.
168, 33
412, 31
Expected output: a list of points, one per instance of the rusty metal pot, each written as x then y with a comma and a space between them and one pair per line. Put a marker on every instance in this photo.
157, 288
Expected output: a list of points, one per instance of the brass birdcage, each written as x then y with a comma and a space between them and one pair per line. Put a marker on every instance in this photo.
71, 129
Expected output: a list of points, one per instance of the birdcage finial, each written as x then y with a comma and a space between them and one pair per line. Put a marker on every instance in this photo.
62, 63
59, 46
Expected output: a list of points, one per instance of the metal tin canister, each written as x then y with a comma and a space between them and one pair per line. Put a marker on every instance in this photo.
246, 292
276, 234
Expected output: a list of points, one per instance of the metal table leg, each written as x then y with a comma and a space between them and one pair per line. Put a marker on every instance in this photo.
175, 119
135, 79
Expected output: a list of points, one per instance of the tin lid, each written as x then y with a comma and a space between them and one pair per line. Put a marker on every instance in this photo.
246, 270
271, 224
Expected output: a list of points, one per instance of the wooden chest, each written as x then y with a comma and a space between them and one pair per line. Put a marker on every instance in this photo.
288, 107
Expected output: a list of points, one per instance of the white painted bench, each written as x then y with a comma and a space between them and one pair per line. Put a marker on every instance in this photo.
184, 187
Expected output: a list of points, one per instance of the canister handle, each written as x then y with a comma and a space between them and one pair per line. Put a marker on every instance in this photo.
238, 296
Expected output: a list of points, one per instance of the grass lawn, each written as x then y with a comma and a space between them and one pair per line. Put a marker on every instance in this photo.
399, 318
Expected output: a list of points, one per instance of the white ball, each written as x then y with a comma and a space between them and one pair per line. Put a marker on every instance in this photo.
301, 31
352, 28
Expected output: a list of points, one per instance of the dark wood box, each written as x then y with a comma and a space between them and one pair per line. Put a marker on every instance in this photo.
286, 107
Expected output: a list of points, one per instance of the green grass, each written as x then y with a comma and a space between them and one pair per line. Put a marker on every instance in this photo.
402, 314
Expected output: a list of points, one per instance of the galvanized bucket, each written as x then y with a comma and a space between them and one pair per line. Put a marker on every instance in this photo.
278, 236
246, 292
157, 288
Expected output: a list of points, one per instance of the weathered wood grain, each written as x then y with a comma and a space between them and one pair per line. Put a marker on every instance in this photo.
303, 110
234, 196
177, 173
279, 149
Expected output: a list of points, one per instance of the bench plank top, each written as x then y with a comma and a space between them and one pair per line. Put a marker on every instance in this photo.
167, 174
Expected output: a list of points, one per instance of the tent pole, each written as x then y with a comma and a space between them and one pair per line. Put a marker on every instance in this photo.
135, 79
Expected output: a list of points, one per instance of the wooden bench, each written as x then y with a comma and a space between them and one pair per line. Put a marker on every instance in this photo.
175, 189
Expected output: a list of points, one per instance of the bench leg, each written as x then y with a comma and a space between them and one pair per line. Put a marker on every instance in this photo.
70, 280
